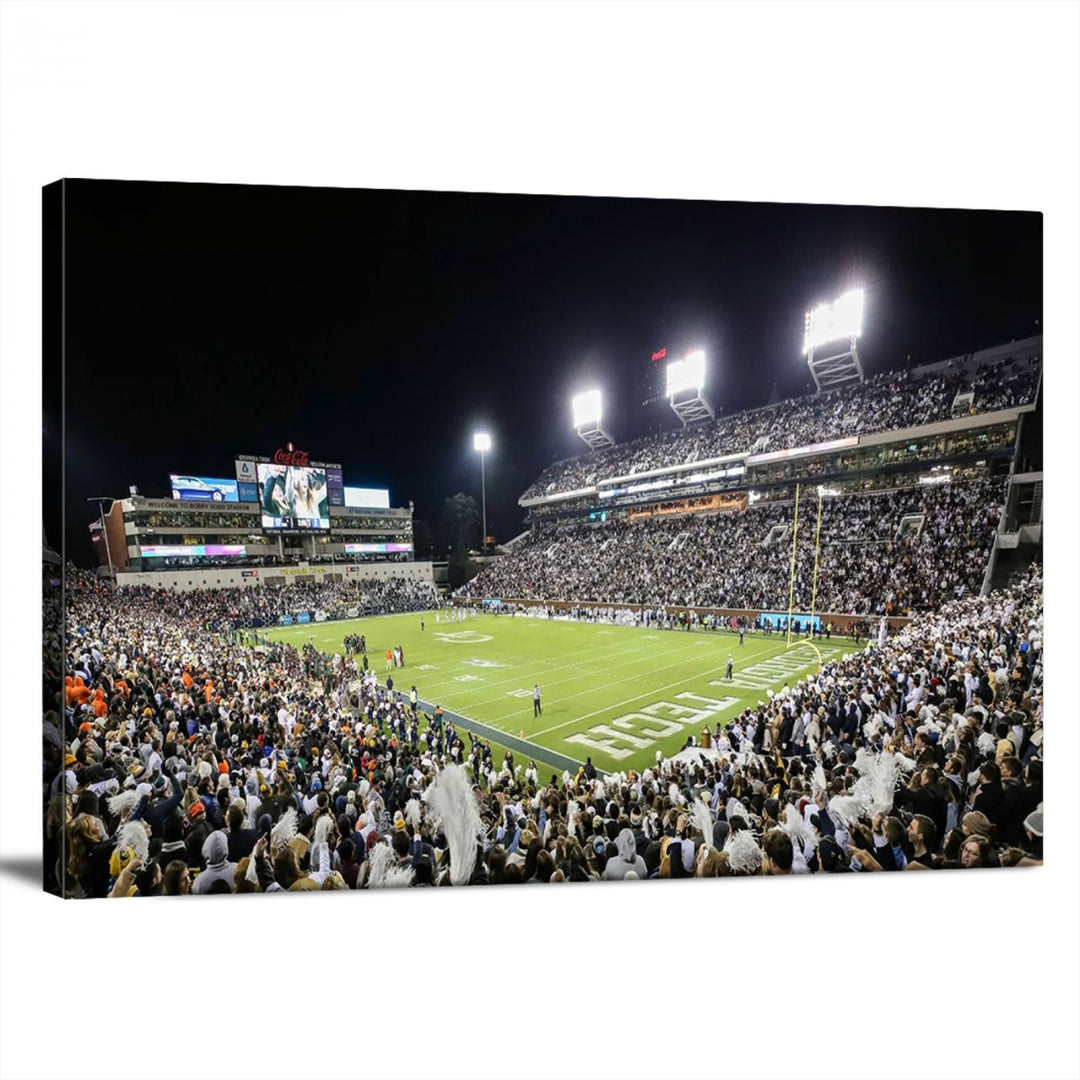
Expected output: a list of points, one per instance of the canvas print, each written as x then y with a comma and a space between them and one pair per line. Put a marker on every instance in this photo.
397, 539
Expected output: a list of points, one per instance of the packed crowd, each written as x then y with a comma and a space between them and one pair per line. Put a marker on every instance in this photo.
885, 402
179, 763
263, 605
868, 563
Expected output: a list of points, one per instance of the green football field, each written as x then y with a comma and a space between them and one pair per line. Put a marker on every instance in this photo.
618, 694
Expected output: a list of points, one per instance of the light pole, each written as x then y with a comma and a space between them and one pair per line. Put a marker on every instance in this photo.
482, 443
101, 500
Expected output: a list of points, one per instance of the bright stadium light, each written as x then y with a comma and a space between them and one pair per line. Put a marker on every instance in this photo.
834, 322
685, 383
840, 322
588, 410
481, 442
587, 407
688, 374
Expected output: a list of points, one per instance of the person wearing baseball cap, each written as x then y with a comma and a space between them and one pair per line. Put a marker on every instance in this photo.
197, 832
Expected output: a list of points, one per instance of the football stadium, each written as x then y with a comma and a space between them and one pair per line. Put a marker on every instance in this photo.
677, 625
800, 638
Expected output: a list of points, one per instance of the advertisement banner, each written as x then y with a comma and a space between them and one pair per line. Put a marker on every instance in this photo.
249, 493
320, 616
721, 502
335, 486
376, 548
157, 551
286, 620
778, 619
353, 612
300, 571
245, 472
367, 498
303, 617
203, 488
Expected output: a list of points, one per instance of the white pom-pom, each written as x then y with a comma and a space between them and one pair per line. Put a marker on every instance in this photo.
703, 822
572, 811
322, 829
799, 831
452, 803
384, 873
876, 786
133, 835
736, 809
123, 803
744, 856
844, 810
284, 831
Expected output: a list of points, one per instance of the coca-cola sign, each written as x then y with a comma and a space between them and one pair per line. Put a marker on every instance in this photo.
289, 456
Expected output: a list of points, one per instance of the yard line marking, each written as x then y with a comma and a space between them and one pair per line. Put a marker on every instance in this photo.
532, 668
540, 666
653, 671
682, 652
511, 665
585, 669
637, 697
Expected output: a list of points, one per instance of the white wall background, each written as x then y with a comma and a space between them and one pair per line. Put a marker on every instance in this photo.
945, 105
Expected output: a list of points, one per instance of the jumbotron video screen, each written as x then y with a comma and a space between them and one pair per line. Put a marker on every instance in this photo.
293, 498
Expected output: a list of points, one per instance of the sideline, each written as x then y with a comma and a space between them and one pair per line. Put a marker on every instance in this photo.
511, 742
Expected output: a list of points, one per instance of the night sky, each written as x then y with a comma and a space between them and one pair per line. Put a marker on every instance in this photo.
380, 328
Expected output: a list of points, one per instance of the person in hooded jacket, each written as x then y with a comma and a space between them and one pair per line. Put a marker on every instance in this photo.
215, 852
626, 859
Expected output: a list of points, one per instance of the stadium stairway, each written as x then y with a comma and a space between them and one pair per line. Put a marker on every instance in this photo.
1018, 542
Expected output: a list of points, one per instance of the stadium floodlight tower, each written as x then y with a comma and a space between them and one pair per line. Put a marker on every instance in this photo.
827, 328
588, 415
685, 386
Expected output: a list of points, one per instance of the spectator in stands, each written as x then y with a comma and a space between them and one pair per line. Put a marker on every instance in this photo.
713, 811
867, 563
886, 402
